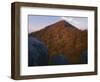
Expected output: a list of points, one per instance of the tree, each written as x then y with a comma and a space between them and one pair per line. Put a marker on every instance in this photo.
84, 57
58, 60
37, 52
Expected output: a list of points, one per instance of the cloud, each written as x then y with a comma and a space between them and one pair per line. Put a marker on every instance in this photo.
67, 18
79, 22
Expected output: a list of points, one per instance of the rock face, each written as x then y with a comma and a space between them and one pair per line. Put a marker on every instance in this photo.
37, 53
63, 38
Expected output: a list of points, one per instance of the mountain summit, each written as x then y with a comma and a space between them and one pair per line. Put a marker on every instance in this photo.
63, 38
60, 24
63, 23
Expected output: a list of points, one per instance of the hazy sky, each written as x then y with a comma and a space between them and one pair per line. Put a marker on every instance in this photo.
36, 23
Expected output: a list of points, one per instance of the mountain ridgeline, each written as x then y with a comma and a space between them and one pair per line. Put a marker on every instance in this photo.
63, 38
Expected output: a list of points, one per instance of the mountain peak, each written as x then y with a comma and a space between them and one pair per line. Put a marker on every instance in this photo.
64, 23
61, 22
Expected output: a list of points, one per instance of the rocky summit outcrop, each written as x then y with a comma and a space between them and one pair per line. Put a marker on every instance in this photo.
63, 38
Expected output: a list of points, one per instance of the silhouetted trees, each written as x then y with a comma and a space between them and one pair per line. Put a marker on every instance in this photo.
84, 57
37, 53
58, 60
